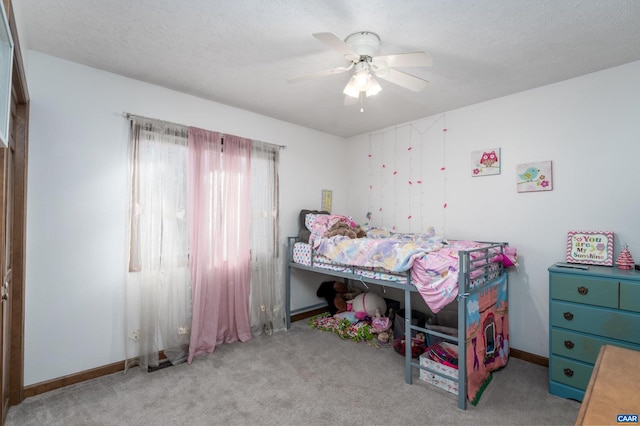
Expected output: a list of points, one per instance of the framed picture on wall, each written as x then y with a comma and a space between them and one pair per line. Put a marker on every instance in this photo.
485, 162
327, 200
533, 177
590, 247
6, 66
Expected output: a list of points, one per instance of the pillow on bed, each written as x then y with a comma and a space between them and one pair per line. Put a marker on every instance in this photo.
304, 233
319, 224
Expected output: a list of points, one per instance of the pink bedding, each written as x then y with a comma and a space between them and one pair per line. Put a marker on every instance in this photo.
435, 275
433, 262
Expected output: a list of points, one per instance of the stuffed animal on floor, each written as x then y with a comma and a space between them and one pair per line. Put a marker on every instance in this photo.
368, 303
334, 293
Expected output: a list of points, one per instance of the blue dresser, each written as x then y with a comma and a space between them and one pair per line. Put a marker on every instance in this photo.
588, 309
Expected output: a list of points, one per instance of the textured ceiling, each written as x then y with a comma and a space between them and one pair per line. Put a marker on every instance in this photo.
241, 53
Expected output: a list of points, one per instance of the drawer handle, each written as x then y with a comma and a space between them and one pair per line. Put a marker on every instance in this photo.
568, 372
568, 344
583, 290
568, 316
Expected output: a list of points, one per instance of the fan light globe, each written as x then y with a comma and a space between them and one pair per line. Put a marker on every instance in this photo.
374, 87
362, 79
351, 89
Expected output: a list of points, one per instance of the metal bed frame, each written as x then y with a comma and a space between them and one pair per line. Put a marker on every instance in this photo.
480, 263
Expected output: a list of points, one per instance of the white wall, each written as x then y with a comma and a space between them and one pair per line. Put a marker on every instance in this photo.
589, 127
77, 202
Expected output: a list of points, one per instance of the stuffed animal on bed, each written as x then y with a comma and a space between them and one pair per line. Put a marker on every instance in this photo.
334, 293
342, 228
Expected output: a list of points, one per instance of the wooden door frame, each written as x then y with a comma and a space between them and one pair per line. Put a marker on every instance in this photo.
20, 145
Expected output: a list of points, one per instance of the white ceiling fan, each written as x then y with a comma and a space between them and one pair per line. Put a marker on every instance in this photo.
362, 50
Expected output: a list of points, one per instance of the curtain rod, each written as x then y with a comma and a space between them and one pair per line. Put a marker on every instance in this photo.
129, 116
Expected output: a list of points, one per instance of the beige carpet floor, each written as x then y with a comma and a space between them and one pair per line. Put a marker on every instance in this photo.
299, 377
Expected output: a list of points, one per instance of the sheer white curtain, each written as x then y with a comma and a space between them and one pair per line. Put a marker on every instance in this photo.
267, 299
158, 292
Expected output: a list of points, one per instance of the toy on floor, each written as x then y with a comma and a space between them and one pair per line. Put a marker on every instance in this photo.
368, 303
380, 325
418, 345
383, 337
334, 293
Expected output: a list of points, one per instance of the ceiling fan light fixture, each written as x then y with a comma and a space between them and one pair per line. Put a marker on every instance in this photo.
374, 87
351, 89
362, 78
362, 50
362, 82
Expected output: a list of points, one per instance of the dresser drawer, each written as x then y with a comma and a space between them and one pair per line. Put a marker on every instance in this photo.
629, 296
572, 373
614, 324
599, 292
582, 347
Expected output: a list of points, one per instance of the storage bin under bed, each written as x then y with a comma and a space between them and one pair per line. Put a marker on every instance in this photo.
440, 381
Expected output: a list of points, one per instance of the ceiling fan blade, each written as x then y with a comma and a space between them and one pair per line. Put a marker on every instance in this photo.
337, 70
414, 59
336, 44
405, 80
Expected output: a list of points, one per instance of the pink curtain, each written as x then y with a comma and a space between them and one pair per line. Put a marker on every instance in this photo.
219, 194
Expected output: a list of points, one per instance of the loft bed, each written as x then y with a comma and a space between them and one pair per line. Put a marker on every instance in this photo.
472, 273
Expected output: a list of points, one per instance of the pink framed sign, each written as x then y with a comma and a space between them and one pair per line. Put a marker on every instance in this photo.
590, 247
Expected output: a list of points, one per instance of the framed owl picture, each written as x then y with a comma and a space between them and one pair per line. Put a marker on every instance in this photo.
533, 177
485, 162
